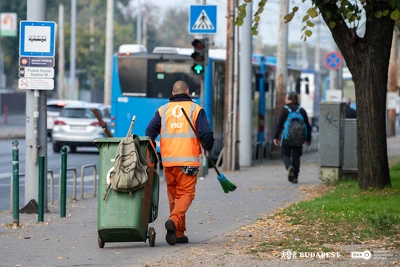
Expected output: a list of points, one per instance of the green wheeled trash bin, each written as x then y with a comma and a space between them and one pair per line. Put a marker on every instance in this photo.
124, 217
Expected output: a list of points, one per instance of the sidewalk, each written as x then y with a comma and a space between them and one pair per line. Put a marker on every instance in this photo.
73, 240
217, 225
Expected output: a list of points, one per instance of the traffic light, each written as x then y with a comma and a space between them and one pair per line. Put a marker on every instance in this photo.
200, 55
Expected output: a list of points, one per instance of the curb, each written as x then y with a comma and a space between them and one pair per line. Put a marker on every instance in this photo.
18, 134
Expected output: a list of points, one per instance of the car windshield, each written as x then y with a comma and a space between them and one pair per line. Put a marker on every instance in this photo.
85, 113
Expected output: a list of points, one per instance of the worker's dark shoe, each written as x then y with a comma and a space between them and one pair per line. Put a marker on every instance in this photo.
295, 181
291, 173
183, 239
171, 232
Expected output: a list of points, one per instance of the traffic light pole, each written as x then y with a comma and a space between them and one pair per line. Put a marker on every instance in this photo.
203, 166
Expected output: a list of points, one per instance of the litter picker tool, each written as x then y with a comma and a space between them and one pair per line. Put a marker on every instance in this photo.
226, 185
127, 135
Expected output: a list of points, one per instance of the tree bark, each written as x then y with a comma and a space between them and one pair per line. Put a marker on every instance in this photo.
367, 59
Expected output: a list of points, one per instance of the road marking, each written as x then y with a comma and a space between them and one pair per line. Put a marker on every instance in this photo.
5, 175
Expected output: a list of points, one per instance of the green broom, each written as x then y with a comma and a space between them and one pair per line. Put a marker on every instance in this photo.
226, 185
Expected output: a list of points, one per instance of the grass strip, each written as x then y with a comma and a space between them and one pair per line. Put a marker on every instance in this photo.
343, 215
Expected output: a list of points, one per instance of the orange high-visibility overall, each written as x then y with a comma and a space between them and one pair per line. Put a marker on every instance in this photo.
179, 147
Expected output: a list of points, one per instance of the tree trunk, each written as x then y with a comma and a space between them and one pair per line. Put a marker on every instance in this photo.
367, 59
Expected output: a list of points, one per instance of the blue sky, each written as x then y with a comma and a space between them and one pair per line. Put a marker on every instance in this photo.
268, 28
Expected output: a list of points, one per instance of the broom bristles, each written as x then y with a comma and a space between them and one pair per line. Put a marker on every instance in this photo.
226, 185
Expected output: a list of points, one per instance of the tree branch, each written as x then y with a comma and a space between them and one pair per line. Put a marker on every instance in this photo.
331, 14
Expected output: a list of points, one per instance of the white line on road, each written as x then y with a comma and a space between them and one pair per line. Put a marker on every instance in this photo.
5, 175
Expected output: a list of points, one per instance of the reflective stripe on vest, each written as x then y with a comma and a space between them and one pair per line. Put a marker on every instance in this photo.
164, 133
178, 143
180, 159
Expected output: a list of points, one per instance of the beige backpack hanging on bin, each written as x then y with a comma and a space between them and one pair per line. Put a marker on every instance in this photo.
130, 167
130, 170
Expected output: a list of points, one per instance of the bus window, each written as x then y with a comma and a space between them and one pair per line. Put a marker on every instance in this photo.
162, 74
132, 74
154, 78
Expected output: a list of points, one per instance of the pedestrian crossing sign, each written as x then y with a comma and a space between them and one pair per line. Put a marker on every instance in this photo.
203, 19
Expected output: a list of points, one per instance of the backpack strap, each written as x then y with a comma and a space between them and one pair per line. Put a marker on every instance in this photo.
287, 107
298, 108
142, 160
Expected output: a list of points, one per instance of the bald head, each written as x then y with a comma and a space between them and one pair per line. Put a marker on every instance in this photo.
180, 87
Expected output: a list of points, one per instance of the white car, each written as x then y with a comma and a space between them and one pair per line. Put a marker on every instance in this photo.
54, 108
77, 126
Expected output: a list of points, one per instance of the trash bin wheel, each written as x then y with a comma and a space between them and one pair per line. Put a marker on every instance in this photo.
100, 241
152, 237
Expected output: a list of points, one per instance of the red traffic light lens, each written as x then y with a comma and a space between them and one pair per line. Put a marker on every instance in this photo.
198, 45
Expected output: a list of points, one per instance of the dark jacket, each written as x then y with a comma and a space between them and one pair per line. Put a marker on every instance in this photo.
350, 113
283, 116
203, 129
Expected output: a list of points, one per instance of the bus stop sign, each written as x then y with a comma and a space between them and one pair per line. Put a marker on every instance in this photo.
333, 60
37, 38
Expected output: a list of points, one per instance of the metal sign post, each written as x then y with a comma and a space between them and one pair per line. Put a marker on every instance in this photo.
36, 49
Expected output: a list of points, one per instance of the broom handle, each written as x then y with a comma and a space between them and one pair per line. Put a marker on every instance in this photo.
131, 126
197, 135
102, 123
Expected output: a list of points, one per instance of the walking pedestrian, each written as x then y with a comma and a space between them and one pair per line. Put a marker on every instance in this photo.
180, 150
294, 129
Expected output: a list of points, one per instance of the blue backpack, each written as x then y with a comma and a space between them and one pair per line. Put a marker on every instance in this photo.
295, 130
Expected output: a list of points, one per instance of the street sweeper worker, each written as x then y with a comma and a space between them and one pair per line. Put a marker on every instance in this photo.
180, 150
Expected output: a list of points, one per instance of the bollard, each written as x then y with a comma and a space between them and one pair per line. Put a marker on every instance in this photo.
63, 195
41, 189
15, 182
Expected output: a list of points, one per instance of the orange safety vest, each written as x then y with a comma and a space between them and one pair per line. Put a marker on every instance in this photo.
179, 145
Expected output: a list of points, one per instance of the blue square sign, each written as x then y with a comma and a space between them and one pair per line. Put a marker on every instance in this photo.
37, 38
203, 19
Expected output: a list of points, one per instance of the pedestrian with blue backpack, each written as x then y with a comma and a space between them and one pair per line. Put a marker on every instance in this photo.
292, 131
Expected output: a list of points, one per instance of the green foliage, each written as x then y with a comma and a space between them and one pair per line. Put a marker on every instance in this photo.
242, 14
90, 47
349, 11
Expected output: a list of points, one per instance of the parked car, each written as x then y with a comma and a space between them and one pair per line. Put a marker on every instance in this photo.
77, 126
54, 108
